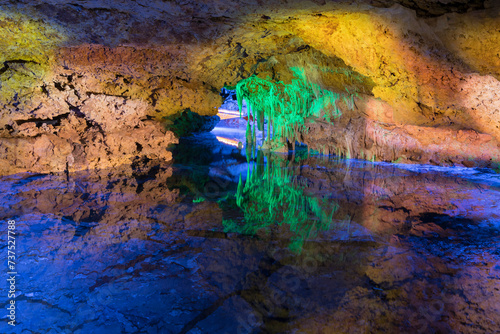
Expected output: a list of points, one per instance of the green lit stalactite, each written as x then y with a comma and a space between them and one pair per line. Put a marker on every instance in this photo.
271, 194
286, 107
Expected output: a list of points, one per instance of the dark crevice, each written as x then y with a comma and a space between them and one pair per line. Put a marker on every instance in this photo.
37, 108
15, 61
206, 312
220, 19
182, 79
136, 273
253, 282
154, 97
138, 147
432, 8
59, 86
89, 94
240, 50
48, 305
393, 209
75, 110
302, 48
77, 94
44, 90
56, 120
98, 126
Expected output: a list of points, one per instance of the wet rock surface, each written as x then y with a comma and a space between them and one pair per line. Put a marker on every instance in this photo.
144, 249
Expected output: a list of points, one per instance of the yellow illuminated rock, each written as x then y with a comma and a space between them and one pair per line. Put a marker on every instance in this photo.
27, 47
420, 70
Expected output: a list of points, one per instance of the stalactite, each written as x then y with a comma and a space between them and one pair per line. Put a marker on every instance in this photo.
287, 106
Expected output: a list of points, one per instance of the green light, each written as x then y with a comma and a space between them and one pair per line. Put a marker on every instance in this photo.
198, 200
272, 195
287, 106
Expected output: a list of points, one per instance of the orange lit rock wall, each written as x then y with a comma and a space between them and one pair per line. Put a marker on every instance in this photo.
85, 84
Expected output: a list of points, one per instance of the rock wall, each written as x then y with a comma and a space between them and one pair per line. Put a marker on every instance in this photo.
86, 84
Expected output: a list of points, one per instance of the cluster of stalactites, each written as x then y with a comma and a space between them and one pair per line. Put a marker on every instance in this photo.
286, 106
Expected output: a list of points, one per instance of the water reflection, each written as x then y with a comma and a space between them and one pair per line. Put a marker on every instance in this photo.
272, 195
278, 244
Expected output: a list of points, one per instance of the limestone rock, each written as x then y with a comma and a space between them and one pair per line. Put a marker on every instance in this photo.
434, 65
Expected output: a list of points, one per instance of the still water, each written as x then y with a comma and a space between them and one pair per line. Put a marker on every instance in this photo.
227, 241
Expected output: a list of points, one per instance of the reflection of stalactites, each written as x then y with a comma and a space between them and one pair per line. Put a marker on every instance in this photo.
239, 192
272, 196
248, 152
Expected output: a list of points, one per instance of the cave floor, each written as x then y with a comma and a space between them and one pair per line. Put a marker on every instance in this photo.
227, 241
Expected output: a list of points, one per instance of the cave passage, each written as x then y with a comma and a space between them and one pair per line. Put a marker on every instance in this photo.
349, 183
230, 240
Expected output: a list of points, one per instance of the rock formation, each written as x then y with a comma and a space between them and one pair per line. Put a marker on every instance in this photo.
87, 84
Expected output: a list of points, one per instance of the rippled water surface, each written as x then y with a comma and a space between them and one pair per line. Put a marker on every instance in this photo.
222, 241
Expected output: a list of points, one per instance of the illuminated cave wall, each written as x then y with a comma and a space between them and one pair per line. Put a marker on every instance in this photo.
86, 84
